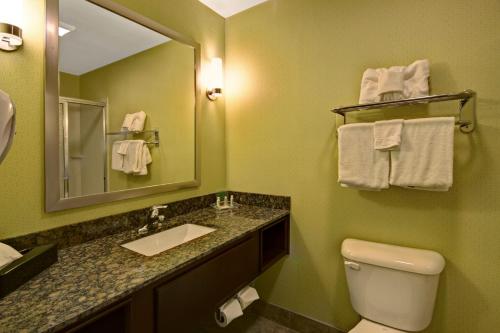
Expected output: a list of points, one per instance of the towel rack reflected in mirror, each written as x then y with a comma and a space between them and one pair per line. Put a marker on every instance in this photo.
156, 133
466, 124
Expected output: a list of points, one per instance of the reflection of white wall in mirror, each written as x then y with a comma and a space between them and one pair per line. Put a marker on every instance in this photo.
11, 12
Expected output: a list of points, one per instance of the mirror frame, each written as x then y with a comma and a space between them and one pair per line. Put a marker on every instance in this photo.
53, 200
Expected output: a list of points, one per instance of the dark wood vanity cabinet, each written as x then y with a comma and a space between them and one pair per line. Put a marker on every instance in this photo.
186, 300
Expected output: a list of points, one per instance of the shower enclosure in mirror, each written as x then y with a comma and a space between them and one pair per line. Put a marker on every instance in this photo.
122, 105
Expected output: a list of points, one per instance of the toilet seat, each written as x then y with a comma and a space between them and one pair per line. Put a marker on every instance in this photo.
366, 326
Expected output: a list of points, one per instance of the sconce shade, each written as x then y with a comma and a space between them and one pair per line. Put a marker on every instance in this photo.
216, 79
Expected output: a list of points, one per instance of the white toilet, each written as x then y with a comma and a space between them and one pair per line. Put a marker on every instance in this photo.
393, 288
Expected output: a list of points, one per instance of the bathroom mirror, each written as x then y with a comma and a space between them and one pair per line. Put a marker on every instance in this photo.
122, 108
7, 124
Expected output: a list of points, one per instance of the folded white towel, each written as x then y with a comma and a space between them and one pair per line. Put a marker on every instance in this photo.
116, 157
7, 255
361, 166
387, 134
138, 122
425, 158
127, 122
384, 83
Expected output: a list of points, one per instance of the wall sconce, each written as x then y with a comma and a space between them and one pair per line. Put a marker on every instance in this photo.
215, 79
11, 36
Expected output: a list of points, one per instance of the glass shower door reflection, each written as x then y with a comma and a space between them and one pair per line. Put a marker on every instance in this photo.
82, 144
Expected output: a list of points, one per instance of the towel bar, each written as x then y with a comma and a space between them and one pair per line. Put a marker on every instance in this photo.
466, 126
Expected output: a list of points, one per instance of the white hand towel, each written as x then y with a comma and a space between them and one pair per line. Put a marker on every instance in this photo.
8, 255
138, 122
424, 160
117, 159
132, 161
415, 82
361, 166
387, 134
145, 160
127, 122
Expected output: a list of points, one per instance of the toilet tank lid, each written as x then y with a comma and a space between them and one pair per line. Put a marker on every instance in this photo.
392, 256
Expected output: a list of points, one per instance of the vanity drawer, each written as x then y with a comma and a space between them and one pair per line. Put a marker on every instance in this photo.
191, 298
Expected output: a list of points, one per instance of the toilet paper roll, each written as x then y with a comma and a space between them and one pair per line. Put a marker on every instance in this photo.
228, 312
247, 296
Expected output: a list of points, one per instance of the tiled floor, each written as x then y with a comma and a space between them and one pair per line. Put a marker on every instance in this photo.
250, 323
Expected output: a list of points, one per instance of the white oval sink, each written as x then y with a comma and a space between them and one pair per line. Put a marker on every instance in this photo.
162, 241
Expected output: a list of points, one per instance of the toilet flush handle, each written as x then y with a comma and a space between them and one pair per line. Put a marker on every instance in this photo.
352, 265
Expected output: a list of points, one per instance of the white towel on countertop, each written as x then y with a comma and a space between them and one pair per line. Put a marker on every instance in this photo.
424, 160
7, 255
384, 83
360, 165
387, 134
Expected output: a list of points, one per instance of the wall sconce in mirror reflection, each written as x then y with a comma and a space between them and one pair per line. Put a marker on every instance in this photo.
11, 35
215, 82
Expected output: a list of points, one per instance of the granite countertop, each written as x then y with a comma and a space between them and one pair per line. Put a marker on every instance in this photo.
90, 276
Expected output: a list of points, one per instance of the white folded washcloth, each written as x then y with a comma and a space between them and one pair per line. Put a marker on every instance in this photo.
127, 122
385, 83
138, 122
387, 134
424, 160
361, 166
116, 157
7, 255
122, 150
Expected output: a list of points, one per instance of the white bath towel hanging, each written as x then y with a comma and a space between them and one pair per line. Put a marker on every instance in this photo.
137, 158
424, 160
116, 157
360, 165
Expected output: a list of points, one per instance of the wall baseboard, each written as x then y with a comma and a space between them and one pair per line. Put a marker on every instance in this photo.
290, 319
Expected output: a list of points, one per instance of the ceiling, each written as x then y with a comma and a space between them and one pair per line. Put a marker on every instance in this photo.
100, 37
228, 8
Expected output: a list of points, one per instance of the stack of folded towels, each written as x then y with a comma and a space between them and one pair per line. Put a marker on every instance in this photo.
416, 154
134, 122
397, 82
131, 157
8, 255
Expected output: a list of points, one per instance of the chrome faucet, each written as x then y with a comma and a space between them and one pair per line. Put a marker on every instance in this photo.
154, 219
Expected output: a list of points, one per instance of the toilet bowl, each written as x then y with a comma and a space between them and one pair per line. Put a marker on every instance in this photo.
392, 287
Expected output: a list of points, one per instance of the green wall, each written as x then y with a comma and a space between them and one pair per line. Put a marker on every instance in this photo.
22, 76
288, 62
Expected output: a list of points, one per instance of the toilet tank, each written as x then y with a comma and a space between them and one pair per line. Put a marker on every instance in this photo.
392, 285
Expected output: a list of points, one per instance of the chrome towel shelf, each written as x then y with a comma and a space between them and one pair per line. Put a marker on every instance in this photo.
156, 133
466, 126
